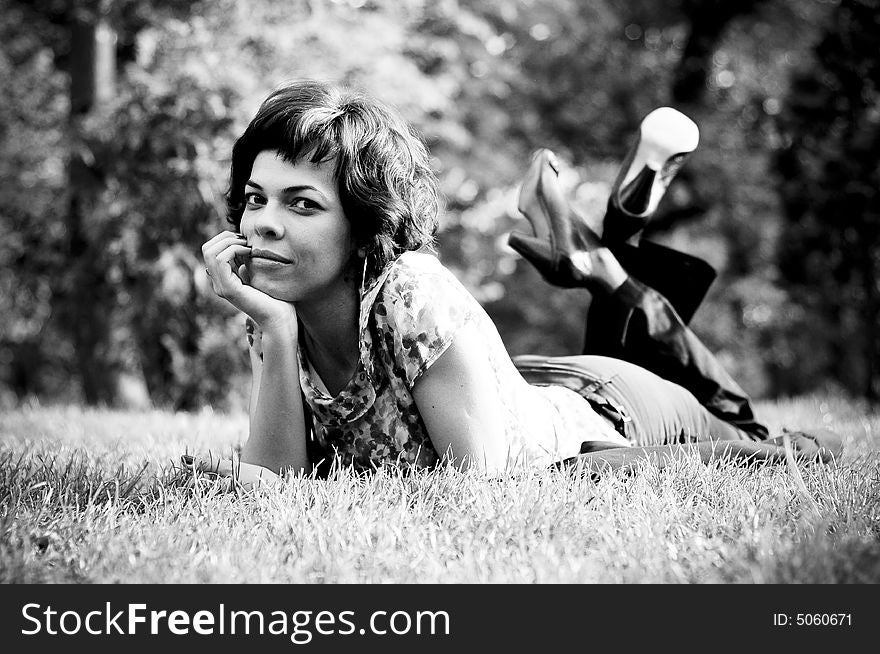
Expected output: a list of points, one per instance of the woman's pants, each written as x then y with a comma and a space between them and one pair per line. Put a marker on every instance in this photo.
643, 367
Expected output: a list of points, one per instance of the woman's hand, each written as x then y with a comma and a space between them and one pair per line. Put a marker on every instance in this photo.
249, 475
278, 434
225, 258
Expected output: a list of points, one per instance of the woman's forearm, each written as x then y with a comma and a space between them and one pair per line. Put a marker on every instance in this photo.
663, 455
277, 425
739, 451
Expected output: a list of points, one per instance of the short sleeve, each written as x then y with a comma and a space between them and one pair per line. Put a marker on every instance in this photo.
421, 308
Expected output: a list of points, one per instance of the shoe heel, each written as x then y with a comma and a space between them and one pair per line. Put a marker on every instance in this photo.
666, 138
635, 198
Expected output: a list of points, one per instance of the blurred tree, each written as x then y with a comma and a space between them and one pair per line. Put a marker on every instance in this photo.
829, 251
746, 315
82, 40
33, 116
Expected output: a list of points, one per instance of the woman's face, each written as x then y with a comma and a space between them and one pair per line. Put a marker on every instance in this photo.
300, 238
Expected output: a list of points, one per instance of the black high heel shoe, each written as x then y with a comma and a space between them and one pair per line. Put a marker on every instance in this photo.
562, 242
666, 138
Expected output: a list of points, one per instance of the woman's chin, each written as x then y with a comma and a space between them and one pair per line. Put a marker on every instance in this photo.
272, 288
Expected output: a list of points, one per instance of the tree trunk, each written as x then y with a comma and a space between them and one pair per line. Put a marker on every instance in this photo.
708, 19
87, 296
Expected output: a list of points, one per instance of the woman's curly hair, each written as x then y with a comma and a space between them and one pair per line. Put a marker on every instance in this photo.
388, 190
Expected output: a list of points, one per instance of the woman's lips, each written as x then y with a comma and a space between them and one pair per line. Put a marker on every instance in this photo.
268, 255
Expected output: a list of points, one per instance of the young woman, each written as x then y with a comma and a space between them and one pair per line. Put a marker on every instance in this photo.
367, 352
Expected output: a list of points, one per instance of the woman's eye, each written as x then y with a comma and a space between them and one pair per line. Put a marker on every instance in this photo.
254, 200
304, 204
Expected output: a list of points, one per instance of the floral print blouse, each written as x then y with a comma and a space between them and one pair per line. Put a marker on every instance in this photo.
409, 316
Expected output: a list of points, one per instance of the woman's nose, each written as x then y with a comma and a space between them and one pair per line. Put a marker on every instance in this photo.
267, 222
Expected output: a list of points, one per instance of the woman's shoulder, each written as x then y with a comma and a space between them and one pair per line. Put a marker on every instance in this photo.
415, 263
417, 288
418, 310
420, 274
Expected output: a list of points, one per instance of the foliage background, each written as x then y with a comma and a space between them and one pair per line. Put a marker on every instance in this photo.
117, 120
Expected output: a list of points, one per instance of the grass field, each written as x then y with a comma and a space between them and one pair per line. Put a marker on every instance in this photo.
91, 496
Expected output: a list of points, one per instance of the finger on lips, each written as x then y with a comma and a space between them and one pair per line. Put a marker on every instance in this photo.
223, 256
233, 252
225, 243
223, 252
217, 239
221, 241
